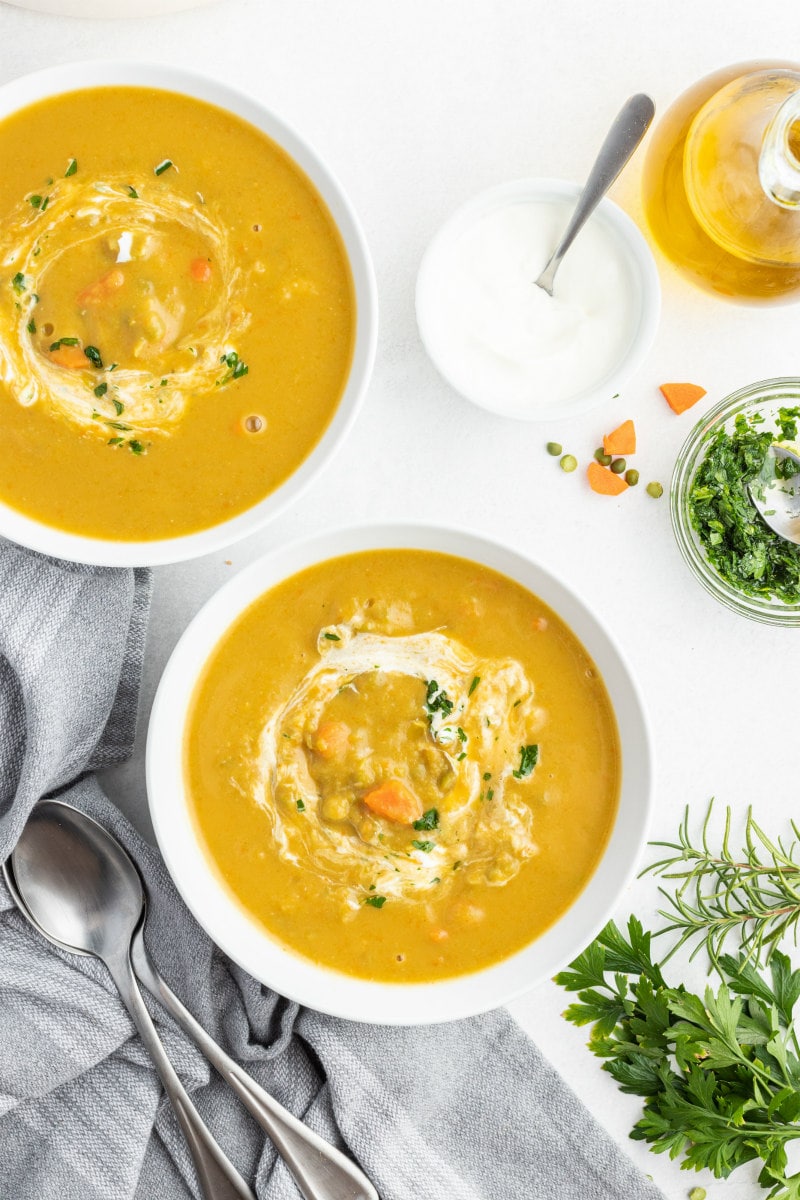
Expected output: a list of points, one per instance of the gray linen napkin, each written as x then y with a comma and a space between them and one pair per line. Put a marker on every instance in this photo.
465, 1111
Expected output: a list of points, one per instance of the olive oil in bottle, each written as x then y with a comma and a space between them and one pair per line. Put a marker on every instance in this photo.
721, 183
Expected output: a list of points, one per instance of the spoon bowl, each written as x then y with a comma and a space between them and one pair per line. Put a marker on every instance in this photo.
77, 882
777, 497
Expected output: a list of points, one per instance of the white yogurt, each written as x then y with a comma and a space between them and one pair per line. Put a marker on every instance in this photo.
502, 341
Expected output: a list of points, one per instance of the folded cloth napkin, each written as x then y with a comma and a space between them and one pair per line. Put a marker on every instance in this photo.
466, 1111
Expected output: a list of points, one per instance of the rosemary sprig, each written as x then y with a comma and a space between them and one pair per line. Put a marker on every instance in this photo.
752, 893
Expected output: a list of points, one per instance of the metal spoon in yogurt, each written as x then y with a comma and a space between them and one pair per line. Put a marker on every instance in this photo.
778, 499
630, 126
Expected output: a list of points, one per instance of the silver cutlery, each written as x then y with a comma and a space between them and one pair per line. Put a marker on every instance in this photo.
79, 888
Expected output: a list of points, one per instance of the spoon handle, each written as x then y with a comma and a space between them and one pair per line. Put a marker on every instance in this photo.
630, 126
219, 1179
320, 1171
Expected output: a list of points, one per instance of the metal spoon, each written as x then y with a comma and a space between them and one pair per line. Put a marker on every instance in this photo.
778, 500
320, 1170
79, 886
630, 126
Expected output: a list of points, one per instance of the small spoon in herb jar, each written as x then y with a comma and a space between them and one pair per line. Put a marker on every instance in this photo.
776, 492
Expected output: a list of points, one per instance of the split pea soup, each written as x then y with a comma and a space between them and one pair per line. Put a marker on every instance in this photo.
177, 314
402, 764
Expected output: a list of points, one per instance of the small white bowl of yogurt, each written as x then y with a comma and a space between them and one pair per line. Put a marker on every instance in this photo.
500, 340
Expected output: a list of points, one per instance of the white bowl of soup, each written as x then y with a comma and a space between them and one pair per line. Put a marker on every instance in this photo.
188, 313
400, 774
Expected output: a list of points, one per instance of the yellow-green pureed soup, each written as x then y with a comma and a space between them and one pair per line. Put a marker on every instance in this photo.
403, 764
176, 314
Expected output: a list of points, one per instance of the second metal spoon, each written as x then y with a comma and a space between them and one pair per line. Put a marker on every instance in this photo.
630, 126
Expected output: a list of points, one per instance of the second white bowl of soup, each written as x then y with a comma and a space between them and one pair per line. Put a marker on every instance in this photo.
187, 313
400, 774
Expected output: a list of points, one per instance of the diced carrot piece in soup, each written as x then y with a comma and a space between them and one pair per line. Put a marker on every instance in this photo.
396, 802
101, 289
71, 357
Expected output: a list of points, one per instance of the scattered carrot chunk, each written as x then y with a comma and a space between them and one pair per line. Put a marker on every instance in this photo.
395, 801
102, 288
605, 482
332, 739
200, 270
621, 440
71, 357
680, 396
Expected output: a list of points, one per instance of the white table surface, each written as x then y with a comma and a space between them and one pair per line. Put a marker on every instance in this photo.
418, 105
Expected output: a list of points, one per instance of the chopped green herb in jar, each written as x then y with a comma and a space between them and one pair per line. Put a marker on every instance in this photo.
737, 542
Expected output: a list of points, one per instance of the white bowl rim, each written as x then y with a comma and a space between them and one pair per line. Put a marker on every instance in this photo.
17, 94
641, 260
256, 951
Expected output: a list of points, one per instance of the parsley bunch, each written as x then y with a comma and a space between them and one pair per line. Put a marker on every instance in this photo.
719, 1073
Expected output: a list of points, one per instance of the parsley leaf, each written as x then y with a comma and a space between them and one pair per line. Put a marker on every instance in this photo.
428, 820
375, 901
93, 354
528, 758
437, 700
424, 846
72, 167
163, 166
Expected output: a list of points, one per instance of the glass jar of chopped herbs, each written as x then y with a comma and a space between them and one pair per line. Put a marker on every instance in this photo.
721, 534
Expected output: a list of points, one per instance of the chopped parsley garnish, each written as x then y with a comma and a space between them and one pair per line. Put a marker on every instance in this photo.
429, 820
476, 680
737, 542
163, 166
117, 441
72, 167
462, 737
528, 758
487, 775
300, 805
490, 794
101, 390
437, 701
132, 192
332, 637
18, 283
375, 901
461, 756
136, 447
119, 425
93, 355
164, 382
68, 341
45, 203
31, 326
236, 367
35, 201
112, 367
426, 847
118, 405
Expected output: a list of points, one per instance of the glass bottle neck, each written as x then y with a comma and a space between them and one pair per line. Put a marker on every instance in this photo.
779, 164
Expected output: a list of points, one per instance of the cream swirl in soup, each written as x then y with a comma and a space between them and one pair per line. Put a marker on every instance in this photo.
386, 770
